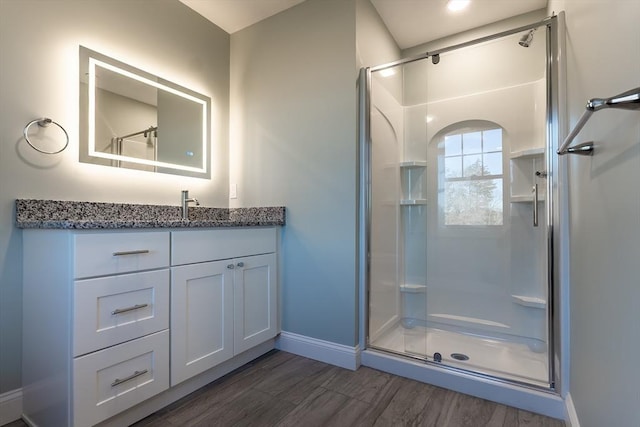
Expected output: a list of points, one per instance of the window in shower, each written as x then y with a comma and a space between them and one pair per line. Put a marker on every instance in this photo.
471, 177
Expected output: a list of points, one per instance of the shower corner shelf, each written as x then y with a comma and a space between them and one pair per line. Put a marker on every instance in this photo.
525, 199
413, 202
413, 164
413, 288
531, 152
532, 302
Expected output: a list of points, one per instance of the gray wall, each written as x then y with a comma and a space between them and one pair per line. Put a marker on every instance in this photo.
39, 77
603, 49
293, 133
293, 143
374, 43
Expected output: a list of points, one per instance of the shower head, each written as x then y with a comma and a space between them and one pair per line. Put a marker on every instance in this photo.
526, 39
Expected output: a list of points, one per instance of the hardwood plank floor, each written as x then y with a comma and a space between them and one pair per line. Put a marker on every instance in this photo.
281, 390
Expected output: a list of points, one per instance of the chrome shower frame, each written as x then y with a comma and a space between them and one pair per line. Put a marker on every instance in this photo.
548, 396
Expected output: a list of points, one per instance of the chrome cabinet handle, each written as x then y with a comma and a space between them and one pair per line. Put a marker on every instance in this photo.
124, 310
230, 266
240, 264
136, 252
136, 374
535, 205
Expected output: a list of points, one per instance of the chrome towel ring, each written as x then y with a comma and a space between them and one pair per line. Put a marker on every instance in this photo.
44, 122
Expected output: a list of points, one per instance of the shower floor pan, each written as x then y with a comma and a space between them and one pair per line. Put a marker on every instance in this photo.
498, 358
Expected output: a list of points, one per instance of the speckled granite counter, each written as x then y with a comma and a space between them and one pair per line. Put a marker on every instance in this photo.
92, 215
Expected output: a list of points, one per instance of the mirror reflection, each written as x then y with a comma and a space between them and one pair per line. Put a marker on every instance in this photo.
136, 120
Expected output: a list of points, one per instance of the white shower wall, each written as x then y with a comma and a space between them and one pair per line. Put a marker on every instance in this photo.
385, 241
474, 273
461, 278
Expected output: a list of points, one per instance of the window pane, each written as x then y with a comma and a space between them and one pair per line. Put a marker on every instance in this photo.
453, 167
492, 140
453, 145
473, 202
472, 143
472, 165
493, 164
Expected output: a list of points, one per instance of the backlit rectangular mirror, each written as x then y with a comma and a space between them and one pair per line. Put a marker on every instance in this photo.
132, 119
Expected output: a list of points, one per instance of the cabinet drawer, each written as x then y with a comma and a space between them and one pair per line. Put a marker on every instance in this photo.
114, 309
112, 380
188, 247
112, 253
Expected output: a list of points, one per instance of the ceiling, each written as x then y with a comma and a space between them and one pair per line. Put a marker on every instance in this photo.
234, 15
413, 22
410, 22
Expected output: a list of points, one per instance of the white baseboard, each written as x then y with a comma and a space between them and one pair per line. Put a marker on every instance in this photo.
10, 406
571, 416
324, 351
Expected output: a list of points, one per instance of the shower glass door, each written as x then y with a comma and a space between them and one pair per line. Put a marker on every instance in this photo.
397, 237
458, 217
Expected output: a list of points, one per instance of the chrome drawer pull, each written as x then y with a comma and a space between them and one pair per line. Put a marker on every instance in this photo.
240, 264
124, 310
136, 374
137, 252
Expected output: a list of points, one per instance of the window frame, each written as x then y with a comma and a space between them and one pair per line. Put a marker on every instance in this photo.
462, 128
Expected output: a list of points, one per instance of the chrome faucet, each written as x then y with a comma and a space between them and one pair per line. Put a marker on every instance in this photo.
185, 203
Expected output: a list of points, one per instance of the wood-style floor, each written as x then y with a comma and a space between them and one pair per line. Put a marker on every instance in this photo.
282, 389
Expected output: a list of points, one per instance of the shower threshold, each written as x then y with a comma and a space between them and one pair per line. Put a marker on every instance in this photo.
497, 358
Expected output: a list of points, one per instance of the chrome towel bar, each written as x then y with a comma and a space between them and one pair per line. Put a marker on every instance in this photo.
629, 100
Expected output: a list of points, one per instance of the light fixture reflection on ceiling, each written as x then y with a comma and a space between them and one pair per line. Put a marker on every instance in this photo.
457, 5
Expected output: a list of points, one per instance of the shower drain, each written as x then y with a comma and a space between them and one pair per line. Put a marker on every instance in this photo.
459, 356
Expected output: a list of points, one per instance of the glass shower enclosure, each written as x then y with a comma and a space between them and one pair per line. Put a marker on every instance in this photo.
458, 218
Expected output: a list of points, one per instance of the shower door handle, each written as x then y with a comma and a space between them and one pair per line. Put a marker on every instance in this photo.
535, 205
536, 196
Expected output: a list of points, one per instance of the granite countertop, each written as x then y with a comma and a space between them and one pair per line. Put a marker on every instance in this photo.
57, 214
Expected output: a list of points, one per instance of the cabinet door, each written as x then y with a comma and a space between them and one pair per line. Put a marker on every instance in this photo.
201, 318
255, 301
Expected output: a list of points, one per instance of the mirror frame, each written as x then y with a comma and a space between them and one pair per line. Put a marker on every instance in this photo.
89, 60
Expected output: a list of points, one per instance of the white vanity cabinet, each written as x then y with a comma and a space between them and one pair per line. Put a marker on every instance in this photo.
95, 323
224, 296
113, 319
